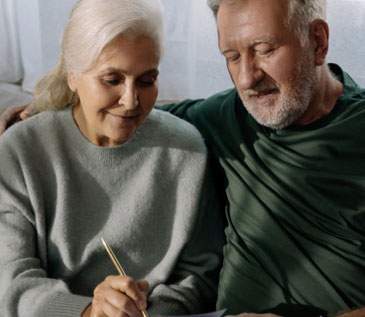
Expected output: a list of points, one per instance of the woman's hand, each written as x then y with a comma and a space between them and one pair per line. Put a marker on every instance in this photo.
118, 296
11, 115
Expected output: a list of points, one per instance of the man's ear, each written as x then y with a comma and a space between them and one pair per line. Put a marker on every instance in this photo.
319, 35
72, 81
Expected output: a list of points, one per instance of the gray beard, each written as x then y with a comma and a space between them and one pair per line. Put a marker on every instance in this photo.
295, 103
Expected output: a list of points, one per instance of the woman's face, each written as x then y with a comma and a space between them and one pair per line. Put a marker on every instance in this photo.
119, 92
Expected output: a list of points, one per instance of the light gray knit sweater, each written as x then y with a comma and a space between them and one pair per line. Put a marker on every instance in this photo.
148, 198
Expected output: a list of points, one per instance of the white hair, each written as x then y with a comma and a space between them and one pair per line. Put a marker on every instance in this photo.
92, 25
301, 14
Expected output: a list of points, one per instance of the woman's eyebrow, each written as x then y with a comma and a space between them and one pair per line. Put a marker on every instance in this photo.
114, 70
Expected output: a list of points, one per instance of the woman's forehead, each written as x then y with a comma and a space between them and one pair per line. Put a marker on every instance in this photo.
127, 53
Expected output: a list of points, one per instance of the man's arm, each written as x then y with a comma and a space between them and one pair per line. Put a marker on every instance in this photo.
182, 109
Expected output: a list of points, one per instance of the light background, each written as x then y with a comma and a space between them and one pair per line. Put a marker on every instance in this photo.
31, 30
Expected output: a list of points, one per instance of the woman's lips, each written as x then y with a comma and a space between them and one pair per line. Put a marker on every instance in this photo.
123, 118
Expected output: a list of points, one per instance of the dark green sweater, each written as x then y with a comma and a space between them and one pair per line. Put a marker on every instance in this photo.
295, 205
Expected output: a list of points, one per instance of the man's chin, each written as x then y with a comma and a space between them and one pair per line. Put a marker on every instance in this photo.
281, 122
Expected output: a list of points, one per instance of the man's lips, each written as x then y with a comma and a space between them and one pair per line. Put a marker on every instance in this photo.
262, 97
264, 92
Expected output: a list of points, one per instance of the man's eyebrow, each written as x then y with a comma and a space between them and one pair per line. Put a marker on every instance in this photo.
263, 40
227, 51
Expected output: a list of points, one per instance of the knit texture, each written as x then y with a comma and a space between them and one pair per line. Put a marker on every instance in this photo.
148, 198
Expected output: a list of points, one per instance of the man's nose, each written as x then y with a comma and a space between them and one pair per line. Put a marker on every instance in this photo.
129, 96
249, 74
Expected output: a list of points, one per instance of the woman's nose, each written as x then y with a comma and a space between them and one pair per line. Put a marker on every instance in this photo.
129, 97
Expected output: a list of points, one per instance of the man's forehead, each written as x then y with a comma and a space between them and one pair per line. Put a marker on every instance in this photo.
241, 3
236, 12
251, 21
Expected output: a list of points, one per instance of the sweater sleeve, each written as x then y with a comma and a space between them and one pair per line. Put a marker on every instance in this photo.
192, 286
25, 288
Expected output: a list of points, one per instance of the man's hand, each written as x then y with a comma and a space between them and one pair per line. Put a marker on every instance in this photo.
12, 115
118, 296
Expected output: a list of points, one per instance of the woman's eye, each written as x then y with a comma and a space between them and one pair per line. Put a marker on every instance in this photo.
111, 82
147, 81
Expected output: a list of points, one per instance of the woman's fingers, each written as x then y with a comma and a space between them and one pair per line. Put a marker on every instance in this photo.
119, 296
143, 286
114, 306
128, 286
108, 302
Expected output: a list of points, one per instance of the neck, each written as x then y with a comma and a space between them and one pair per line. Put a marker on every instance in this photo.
328, 90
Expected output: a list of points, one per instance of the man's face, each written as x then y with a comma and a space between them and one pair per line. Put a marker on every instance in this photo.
275, 75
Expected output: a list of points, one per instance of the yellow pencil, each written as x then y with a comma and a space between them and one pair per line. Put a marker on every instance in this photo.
117, 265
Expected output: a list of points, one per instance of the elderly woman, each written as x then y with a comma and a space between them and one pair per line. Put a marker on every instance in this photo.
106, 164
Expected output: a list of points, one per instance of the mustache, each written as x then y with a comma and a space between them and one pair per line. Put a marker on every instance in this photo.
261, 88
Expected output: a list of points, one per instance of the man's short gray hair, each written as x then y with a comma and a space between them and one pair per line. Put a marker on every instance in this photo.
301, 13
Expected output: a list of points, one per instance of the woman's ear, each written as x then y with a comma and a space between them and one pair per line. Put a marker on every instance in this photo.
319, 31
72, 81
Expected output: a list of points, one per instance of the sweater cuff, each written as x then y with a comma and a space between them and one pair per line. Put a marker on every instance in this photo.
165, 309
65, 305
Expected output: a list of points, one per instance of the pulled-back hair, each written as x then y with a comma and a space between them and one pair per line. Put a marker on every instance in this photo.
301, 13
92, 25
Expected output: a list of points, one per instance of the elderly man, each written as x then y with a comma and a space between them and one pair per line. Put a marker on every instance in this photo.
289, 148
290, 141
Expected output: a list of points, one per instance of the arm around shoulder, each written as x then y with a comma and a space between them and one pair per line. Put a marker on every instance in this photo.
11, 115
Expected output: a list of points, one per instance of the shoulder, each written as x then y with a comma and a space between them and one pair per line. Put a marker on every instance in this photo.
211, 107
222, 97
33, 130
194, 109
173, 131
206, 114
44, 119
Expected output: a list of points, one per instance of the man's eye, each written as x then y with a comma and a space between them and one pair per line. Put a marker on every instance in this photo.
233, 58
264, 52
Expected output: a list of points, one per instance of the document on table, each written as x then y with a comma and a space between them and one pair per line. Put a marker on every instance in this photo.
213, 314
